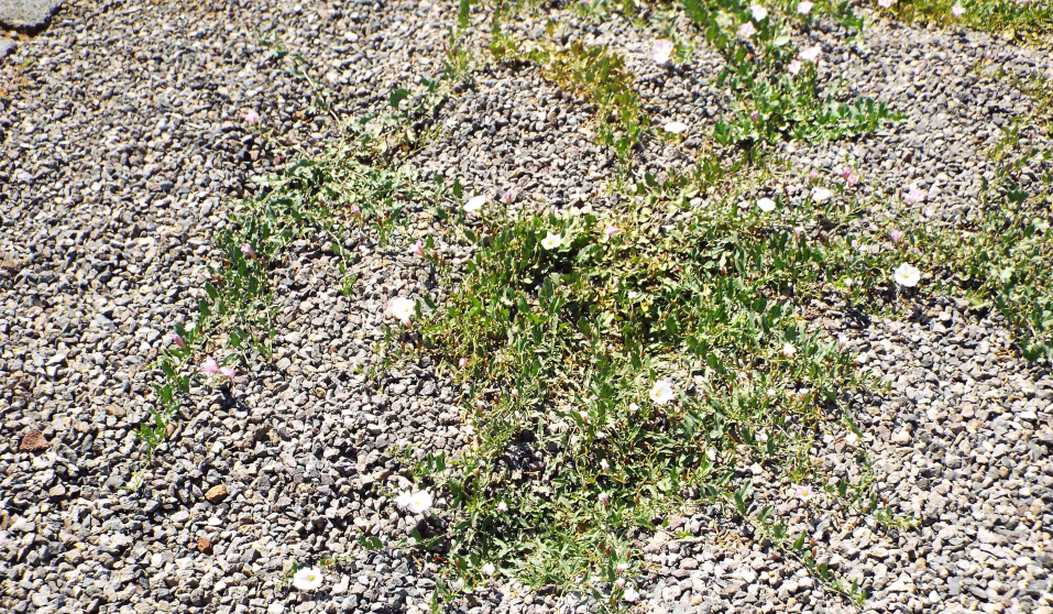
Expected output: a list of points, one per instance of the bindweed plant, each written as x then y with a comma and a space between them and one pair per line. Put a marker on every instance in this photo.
618, 369
775, 83
1016, 20
315, 200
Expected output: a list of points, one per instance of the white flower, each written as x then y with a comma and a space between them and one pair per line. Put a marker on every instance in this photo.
804, 492
662, 392
662, 50
474, 204
759, 12
502, 507
821, 195
307, 579
621, 567
630, 595
415, 502
794, 67
804, 7
957, 10
851, 438
886, 4
766, 204
489, 569
552, 241
603, 498
811, 54
907, 275
788, 350
675, 127
400, 308
747, 30
604, 464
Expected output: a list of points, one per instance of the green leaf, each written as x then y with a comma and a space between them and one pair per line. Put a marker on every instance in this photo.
397, 96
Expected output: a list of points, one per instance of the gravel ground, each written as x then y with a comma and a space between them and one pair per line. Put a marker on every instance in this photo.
131, 128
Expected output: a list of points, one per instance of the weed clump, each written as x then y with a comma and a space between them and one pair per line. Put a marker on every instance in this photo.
619, 369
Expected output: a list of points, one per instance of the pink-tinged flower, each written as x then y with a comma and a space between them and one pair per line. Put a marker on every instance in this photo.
811, 54
804, 8
759, 12
915, 194
804, 492
177, 340
794, 67
248, 251
418, 248
610, 230
896, 235
463, 362
209, 368
886, 4
746, 30
849, 176
251, 116
662, 51
603, 498
509, 196
228, 372
957, 10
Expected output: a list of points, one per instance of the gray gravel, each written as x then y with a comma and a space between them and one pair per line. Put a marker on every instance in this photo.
125, 140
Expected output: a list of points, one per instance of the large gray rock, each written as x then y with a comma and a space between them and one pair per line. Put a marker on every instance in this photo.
27, 14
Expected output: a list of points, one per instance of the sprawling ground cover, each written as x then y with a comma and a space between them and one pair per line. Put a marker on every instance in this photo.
703, 304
